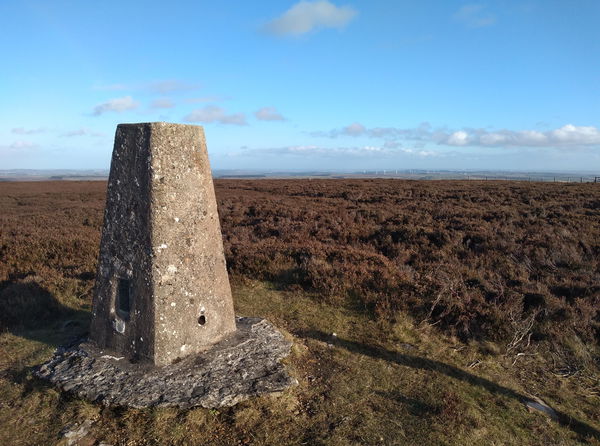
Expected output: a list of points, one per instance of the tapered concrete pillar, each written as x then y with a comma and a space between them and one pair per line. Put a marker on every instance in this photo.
162, 290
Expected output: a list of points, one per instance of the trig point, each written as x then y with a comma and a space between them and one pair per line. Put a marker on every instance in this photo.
162, 290
163, 330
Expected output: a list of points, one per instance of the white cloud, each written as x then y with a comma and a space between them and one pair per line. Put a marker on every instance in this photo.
358, 129
81, 132
212, 113
162, 103
492, 139
474, 16
578, 135
268, 114
317, 151
206, 99
21, 145
116, 105
354, 129
459, 138
24, 131
337, 152
236, 119
566, 136
306, 16
171, 86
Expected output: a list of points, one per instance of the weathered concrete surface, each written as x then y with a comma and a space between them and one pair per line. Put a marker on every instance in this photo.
244, 365
161, 249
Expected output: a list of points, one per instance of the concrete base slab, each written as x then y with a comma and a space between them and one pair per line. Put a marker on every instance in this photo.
246, 364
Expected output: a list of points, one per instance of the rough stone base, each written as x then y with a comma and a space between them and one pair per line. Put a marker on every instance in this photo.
242, 366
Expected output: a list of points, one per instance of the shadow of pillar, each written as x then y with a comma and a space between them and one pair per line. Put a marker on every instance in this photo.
417, 362
30, 311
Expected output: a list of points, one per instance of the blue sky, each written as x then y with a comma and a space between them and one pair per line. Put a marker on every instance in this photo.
307, 85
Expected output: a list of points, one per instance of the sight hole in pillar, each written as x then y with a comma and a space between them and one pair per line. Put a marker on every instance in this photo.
123, 300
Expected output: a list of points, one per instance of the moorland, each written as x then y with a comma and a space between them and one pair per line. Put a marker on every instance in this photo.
421, 311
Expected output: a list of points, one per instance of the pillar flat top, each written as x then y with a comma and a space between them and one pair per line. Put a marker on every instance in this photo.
158, 124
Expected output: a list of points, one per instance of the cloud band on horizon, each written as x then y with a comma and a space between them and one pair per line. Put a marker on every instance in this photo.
568, 135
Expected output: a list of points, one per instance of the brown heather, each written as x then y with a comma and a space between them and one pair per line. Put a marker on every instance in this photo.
453, 302
477, 258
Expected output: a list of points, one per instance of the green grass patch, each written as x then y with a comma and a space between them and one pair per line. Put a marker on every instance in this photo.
372, 383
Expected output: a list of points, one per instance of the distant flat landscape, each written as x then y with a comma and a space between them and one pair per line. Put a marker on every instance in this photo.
409, 174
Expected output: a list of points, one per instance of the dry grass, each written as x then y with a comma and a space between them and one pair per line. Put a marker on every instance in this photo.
386, 378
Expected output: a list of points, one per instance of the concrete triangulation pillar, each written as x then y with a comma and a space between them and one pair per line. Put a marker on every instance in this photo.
162, 290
